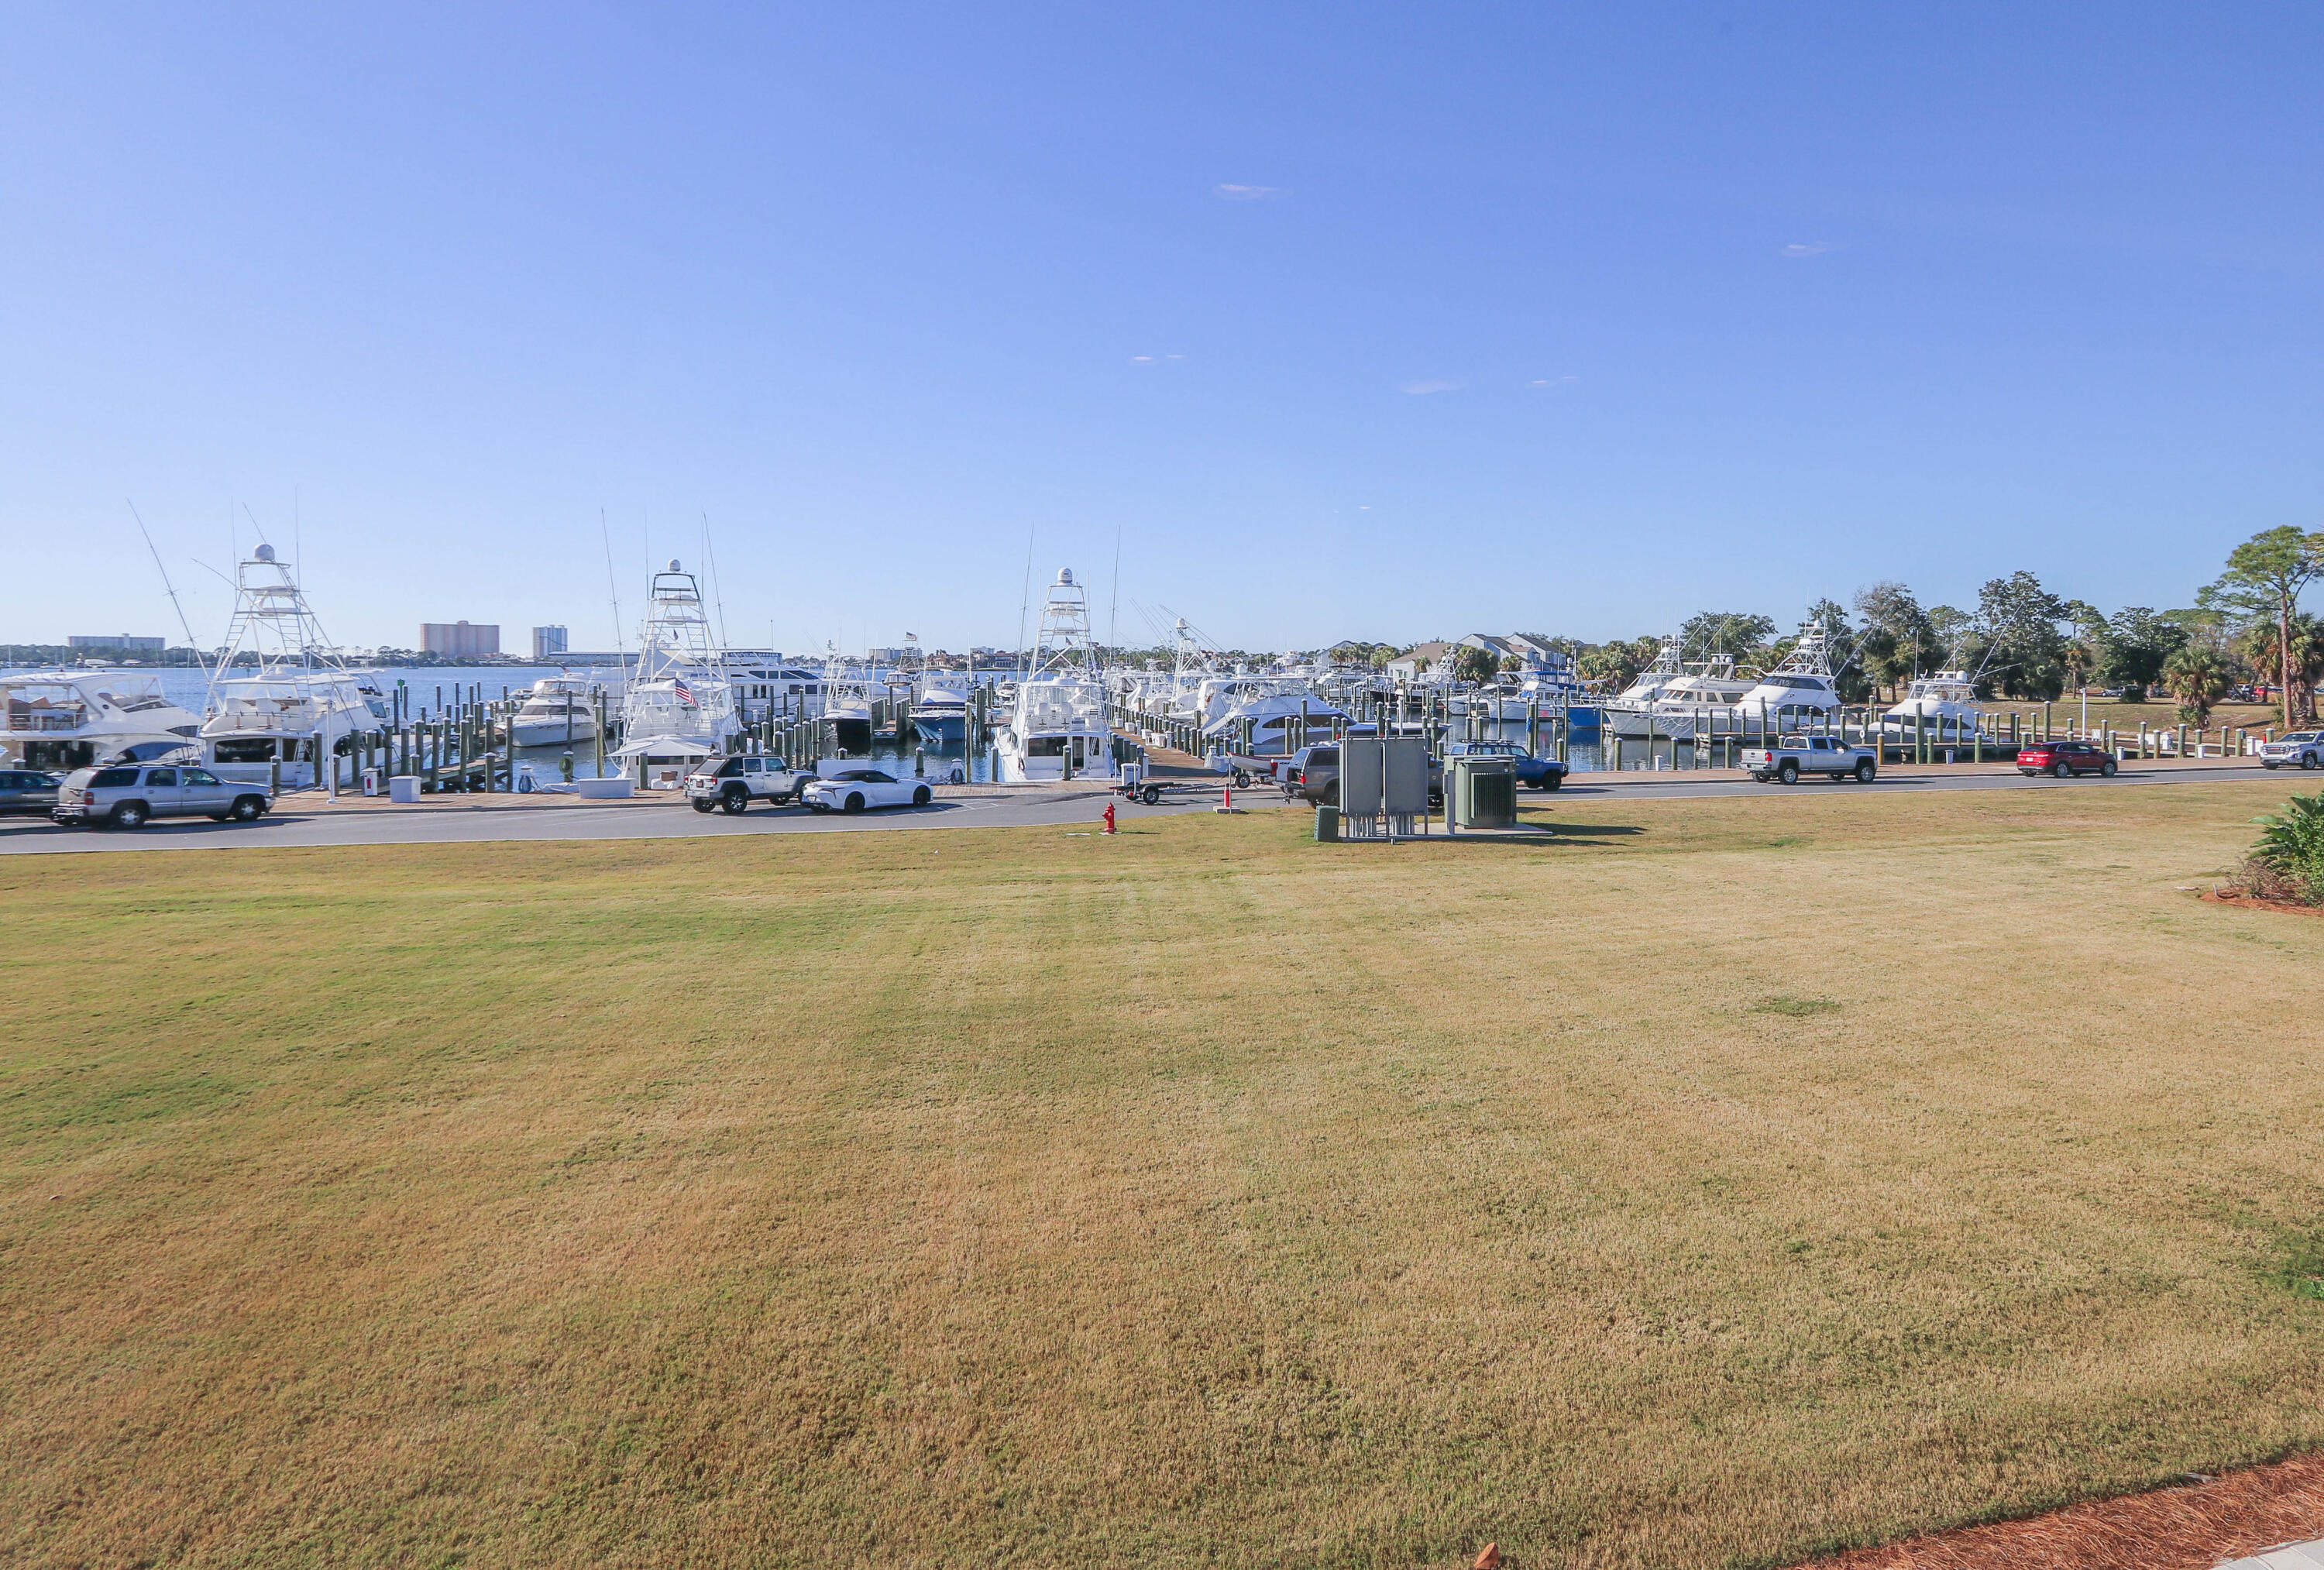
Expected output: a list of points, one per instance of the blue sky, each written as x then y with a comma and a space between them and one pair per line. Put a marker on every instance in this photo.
1371, 322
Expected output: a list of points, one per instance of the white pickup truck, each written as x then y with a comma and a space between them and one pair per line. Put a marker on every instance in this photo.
732, 783
1799, 755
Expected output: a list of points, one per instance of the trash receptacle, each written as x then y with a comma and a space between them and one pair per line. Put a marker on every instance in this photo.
1484, 791
371, 782
1327, 825
404, 790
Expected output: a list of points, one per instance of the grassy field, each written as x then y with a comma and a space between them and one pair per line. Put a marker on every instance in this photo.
1730, 1181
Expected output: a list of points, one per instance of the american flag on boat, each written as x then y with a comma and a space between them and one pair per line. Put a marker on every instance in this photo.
684, 692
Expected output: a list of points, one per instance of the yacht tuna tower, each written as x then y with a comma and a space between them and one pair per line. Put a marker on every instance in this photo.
1059, 728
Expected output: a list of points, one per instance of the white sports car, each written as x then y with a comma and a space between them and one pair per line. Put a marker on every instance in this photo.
851, 790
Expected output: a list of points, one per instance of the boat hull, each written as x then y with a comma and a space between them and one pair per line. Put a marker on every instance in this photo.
939, 728
552, 732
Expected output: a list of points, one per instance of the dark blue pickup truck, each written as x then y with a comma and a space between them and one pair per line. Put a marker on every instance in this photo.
1544, 774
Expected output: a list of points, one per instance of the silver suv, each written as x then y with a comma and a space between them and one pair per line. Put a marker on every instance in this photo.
2302, 748
125, 797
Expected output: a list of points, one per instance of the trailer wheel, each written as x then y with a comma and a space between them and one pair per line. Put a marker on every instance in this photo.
1151, 795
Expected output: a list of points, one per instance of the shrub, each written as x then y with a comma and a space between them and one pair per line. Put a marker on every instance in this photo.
2134, 693
2292, 846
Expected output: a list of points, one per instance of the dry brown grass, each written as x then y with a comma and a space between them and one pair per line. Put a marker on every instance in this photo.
1200, 1196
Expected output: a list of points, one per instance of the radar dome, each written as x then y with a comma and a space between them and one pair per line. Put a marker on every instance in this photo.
674, 566
265, 552
1065, 575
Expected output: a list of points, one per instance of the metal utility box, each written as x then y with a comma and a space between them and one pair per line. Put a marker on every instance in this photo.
1483, 791
1383, 786
1327, 825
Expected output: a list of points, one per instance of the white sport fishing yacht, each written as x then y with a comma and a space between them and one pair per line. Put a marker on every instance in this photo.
1270, 705
1801, 690
70, 719
282, 695
1945, 701
1637, 707
1058, 727
679, 708
557, 712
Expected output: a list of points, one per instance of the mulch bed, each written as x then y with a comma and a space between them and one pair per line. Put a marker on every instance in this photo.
2249, 903
2194, 1528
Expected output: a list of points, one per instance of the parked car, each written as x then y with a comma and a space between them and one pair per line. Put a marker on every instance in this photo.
851, 790
27, 792
1799, 755
1543, 773
2064, 759
2304, 747
125, 797
733, 784
1313, 775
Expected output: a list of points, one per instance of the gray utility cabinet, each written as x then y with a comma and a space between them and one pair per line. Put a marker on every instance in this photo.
1383, 785
1482, 792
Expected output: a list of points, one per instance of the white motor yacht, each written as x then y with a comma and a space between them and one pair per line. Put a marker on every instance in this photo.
282, 697
1945, 702
1801, 690
679, 708
70, 719
1634, 710
1058, 727
558, 711
940, 716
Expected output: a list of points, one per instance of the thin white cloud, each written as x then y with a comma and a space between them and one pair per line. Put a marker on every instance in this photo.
1227, 193
1549, 380
1141, 359
1422, 388
1810, 248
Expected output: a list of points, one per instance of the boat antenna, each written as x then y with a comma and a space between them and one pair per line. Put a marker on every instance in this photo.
1113, 610
717, 589
1025, 599
612, 585
171, 589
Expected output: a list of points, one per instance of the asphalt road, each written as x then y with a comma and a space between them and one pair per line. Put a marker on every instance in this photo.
442, 825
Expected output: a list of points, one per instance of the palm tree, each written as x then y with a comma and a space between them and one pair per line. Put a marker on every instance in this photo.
2302, 671
2199, 678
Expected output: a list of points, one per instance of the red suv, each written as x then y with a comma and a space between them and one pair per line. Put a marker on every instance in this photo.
2064, 759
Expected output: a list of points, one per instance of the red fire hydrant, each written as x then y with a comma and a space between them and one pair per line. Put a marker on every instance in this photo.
1109, 817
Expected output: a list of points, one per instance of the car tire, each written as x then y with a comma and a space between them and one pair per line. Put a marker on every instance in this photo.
128, 815
1865, 771
734, 801
854, 802
1788, 772
247, 810
2307, 761
2106, 769
1553, 781
702, 803
2267, 766
2062, 769
922, 796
